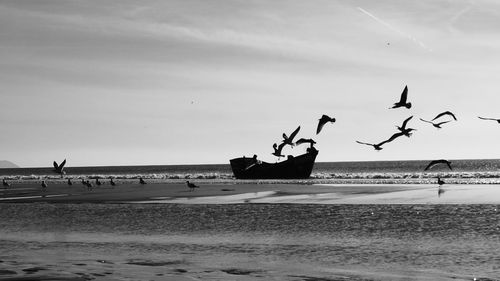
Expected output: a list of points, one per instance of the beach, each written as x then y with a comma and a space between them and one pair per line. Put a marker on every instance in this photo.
249, 231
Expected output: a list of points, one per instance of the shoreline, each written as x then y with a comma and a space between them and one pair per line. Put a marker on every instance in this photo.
257, 192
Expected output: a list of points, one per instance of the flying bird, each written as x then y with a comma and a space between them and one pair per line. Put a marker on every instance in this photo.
445, 113
191, 186
5, 183
404, 130
59, 168
494, 119
302, 140
437, 162
322, 121
378, 146
402, 101
289, 140
436, 125
277, 149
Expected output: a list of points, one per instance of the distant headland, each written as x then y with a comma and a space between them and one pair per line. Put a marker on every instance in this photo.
7, 164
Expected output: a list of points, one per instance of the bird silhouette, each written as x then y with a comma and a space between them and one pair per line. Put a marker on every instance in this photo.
112, 182
436, 125
289, 140
302, 140
440, 191
89, 185
141, 181
44, 185
5, 183
191, 186
402, 101
437, 162
69, 182
440, 181
493, 119
406, 131
445, 113
378, 146
277, 149
322, 121
97, 182
59, 168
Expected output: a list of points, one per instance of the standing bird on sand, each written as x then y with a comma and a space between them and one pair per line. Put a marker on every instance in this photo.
191, 186
277, 149
97, 182
44, 186
406, 131
436, 125
493, 119
445, 113
402, 101
289, 140
322, 121
89, 185
302, 140
141, 181
440, 181
5, 183
438, 162
112, 182
378, 146
59, 168
69, 182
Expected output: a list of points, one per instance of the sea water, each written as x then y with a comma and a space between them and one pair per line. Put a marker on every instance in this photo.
279, 241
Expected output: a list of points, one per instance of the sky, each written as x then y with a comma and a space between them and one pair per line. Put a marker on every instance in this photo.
196, 82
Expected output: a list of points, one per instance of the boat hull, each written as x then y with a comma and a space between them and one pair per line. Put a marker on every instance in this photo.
299, 167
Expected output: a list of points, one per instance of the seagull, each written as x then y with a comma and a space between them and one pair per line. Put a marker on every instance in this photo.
191, 186
436, 125
277, 149
302, 140
59, 168
5, 183
404, 130
440, 181
445, 113
437, 162
141, 181
378, 146
483, 118
322, 121
402, 102
69, 182
289, 140
112, 182
44, 185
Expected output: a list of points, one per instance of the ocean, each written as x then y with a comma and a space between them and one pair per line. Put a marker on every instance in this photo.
474, 171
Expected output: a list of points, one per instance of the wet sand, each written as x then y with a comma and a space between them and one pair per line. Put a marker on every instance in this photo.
254, 193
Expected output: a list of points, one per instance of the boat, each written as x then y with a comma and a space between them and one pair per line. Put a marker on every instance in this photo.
294, 167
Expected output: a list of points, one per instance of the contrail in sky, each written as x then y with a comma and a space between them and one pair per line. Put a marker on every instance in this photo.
415, 40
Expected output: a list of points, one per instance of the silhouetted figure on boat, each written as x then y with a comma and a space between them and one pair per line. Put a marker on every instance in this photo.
492, 119
141, 181
322, 121
378, 146
403, 100
406, 131
449, 113
59, 168
191, 186
69, 182
5, 183
277, 149
436, 125
438, 162
289, 140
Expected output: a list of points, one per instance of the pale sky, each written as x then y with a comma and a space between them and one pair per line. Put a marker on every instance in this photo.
192, 82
